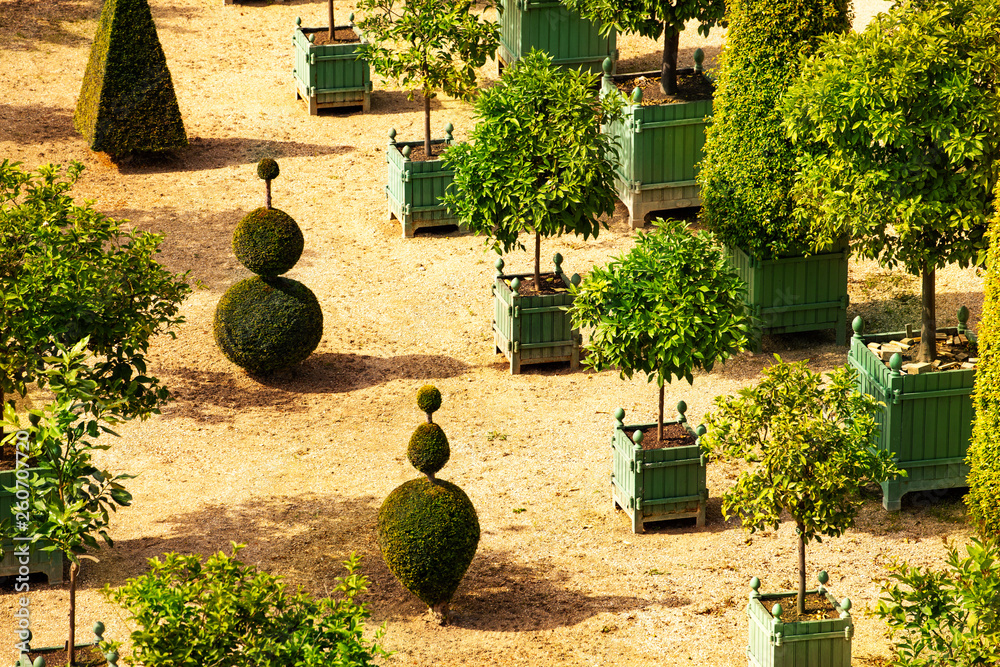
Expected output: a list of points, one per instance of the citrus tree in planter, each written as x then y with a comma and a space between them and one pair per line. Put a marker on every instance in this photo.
905, 162
427, 46
669, 306
69, 498
536, 162
330, 74
749, 166
809, 448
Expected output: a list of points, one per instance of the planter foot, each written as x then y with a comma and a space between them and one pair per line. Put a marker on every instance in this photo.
700, 520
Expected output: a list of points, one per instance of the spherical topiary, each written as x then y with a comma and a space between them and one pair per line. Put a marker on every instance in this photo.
268, 241
428, 533
428, 450
429, 399
267, 169
264, 325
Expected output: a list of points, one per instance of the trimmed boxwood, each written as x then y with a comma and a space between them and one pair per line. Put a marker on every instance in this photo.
983, 454
266, 324
749, 163
268, 241
428, 450
127, 102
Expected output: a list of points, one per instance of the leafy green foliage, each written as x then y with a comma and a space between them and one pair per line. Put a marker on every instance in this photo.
68, 273
127, 102
749, 163
268, 241
983, 456
427, 45
266, 324
946, 618
224, 612
902, 123
669, 306
537, 159
652, 18
809, 447
267, 169
428, 533
428, 450
70, 498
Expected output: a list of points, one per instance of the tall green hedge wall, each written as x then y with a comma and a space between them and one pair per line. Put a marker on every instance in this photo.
127, 102
984, 450
749, 163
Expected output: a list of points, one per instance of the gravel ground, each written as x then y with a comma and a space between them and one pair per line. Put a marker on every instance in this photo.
296, 467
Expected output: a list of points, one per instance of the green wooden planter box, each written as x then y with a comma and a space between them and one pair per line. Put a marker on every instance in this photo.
657, 484
24, 660
330, 75
415, 188
926, 421
798, 293
49, 563
659, 146
554, 28
534, 329
772, 643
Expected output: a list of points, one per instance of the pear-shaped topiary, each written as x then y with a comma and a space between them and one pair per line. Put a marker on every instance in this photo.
428, 450
428, 529
264, 325
268, 241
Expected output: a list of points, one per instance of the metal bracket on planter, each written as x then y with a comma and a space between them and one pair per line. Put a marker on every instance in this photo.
406, 209
312, 91
405, 175
635, 186
637, 126
517, 346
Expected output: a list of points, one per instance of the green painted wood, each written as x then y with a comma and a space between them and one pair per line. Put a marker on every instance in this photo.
49, 563
533, 330
329, 75
657, 484
659, 148
801, 293
414, 189
771, 643
926, 421
557, 30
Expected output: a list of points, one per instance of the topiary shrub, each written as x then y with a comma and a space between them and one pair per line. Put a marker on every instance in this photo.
267, 169
268, 241
428, 450
428, 529
127, 102
983, 455
749, 163
267, 323
429, 400
264, 325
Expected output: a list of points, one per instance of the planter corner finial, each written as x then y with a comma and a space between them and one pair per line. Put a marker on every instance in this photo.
858, 325
777, 610
845, 608
755, 587
963, 318
406, 152
637, 438
619, 416
699, 58
637, 95
448, 129
700, 431
515, 286
896, 363
298, 20
606, 66
392, 135
557, 260
823, 577
575, 279
682, 407
498, 265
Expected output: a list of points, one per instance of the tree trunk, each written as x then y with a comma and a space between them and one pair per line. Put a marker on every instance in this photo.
427, 125
440, 611
928, 317
659, 419
538, 261
267, 193
71, 644
329, 12
802, 571
668, 68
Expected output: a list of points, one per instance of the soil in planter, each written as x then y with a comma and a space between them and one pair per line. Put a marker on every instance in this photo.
818, 608
690, 88
674, 435
417, 153
953, 352
8, 457
551, 284
340, 36
87, 656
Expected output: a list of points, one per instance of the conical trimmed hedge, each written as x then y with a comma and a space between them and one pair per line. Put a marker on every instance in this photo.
127, 102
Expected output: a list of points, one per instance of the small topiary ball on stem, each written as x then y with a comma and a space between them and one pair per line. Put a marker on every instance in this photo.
267, 169
429, 400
